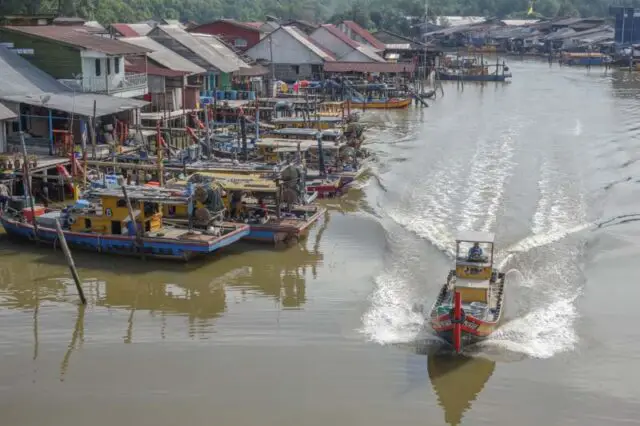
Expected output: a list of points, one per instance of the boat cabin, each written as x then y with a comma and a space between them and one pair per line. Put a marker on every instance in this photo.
271, 150
474, 265
331, 109
317, 122
242, 195
110, 213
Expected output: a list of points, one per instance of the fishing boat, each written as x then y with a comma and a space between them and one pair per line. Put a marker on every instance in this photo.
472, 68
584, 59
338, 166
276, 210
470, 304
391, 103
106, 225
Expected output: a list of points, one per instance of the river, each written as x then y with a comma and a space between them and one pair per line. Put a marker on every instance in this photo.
324, 332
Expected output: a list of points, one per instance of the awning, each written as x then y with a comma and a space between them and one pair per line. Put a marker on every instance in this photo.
80, 104
385, 67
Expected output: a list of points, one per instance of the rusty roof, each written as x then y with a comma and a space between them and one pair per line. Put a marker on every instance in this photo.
80, 38
138, 65
364, 34
125, 30
369, 67
335, 31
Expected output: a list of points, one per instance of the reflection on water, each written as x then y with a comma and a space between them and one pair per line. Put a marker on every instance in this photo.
457, 381
31, 276
77, 339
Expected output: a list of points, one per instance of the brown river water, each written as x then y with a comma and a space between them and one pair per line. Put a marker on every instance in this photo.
325, 333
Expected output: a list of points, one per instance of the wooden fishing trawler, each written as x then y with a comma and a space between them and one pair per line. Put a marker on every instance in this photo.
326, 174
125, 221
331, 109
470, 304
472, 68
384, 103
276, 209
584, 59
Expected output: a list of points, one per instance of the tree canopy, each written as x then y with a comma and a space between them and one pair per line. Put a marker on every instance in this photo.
395, 15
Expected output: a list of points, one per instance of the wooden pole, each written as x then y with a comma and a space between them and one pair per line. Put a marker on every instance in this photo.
72, 266
26, 179
160, 152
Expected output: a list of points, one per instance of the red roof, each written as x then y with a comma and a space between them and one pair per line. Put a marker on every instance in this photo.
251, 26
125, 30
364, 34
335, 31
80, 38
369, 67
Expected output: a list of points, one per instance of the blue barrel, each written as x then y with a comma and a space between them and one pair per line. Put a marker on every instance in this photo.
233, 95
252, 96
219, 94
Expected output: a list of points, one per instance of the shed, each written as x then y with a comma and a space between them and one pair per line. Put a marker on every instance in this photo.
294, 55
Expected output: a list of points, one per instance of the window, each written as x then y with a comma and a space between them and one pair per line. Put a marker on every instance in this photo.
98, 70
116, 65
240, 42
296, 68
108, 65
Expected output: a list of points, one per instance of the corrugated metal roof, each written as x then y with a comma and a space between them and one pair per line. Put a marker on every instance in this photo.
215, 43
79, 37
364, 34
24, 83
309, 44
165, 56
141, 29
138, 65
6, 113
369, 67
370, 53
125, 30
335, 31
398, 46
199, 47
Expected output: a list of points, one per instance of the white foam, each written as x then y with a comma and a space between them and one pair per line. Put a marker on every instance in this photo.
541, 333
390, 318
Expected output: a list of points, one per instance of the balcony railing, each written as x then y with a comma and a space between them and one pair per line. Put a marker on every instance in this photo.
108, 85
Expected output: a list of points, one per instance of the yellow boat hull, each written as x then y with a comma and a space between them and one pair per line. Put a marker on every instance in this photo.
399, 104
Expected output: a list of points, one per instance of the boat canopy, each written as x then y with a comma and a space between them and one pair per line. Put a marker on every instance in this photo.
476, 237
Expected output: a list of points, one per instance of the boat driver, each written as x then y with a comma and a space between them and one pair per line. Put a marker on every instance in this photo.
475, 253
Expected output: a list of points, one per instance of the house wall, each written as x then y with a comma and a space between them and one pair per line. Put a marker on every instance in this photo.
55, 59
293, 72
331, 42
286, 50
356, 56
240, 38
109, 76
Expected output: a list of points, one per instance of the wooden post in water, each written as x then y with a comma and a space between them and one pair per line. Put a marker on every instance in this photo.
243, 136
138, 234
72, 266
26, 180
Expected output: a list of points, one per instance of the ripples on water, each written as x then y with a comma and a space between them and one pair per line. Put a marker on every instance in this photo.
466, 177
